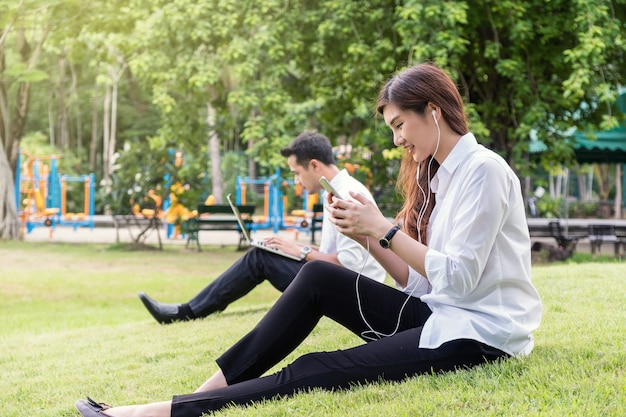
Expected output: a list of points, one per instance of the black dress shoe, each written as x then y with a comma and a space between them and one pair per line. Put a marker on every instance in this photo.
91, 408
163, 313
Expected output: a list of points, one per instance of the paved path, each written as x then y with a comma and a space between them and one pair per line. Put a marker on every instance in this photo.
104, 232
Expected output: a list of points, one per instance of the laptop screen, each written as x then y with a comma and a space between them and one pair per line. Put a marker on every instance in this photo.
237, 214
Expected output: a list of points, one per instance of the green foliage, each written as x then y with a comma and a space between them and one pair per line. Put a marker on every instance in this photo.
271, 69
584, 209
523, 66
235, 163
144, 168
37, 145
550, 207
20, 73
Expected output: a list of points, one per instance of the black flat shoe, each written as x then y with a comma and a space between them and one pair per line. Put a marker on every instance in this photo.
91, 408
163, 313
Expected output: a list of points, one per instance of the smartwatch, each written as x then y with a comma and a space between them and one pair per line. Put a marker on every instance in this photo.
385, 241
304, 252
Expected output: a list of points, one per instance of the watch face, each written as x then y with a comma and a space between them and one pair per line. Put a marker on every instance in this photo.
385, 241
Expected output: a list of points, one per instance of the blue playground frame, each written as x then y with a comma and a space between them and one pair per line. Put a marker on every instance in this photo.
53, 197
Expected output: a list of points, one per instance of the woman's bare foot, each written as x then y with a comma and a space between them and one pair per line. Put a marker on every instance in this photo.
91, 408
216, 381
159, 409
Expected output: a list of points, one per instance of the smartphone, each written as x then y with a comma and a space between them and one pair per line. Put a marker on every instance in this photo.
326, 185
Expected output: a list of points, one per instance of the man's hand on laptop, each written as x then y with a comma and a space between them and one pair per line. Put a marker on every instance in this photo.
286, 245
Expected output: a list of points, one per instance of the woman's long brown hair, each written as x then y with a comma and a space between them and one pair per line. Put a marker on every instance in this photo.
412, 89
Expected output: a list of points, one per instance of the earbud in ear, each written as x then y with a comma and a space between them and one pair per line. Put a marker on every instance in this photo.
434, 113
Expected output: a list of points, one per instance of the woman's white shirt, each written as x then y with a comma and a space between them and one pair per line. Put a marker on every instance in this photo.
478, 263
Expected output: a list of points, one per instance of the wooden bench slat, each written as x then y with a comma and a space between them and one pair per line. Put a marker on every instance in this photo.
600, 233
218, 217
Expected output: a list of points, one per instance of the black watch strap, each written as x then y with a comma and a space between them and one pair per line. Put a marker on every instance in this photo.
385, 242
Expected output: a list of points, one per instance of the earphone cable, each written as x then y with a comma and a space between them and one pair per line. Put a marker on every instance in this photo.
421, 214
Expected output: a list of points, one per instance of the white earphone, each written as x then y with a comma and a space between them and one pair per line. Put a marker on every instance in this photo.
372, 334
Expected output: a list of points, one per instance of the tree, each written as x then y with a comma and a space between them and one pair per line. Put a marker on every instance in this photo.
347, 51
218, 75
9, 226
106, 33
524, 66
18, 71
227, 74
178, 62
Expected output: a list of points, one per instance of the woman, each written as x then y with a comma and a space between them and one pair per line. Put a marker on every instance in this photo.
461, 263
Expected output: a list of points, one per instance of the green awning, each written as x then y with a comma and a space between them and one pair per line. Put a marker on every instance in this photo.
604, 146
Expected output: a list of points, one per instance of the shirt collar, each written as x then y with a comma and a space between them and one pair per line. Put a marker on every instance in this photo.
341, 175
460, 151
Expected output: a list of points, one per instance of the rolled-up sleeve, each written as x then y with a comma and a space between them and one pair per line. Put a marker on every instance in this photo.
417, 285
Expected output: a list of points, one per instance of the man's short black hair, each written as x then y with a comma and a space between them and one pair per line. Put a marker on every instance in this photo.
310, 145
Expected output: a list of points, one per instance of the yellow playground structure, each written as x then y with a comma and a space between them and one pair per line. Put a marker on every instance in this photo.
41, 194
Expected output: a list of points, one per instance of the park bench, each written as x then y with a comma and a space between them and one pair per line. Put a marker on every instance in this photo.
218, 217
600, 233
143, 225
316, 220
567, 242
146, 218
564, 240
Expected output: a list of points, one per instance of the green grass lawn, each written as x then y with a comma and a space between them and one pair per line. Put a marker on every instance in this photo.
72, 326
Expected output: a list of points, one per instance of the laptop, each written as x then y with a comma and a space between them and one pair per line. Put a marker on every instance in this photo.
256, 242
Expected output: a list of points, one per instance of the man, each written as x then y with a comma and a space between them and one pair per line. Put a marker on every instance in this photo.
309, 156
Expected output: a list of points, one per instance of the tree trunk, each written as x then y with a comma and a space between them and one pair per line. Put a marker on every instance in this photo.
31, 57
113, 130
251, 163
603, 181
9, 220
106, 124
75, 103
62, 142
51, 139
618, 191
17, 124
12, 128
582, 187
93, 147
214, 155
110, 122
